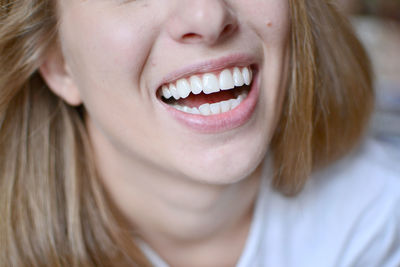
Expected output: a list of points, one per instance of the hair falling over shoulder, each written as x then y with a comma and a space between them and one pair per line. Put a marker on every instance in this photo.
53, 209
329, 98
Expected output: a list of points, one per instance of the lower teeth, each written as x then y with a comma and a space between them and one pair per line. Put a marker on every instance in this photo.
215, 108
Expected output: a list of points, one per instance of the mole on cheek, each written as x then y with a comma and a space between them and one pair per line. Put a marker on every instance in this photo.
269, 24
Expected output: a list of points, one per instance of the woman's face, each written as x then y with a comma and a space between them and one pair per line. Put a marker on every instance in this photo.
120, 54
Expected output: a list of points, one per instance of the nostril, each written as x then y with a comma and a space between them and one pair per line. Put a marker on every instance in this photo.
191, 36
195, 37
228, 28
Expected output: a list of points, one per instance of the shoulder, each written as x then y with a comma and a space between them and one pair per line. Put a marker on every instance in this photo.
359, 199
371, 158
367, 176
363, 190
347, 215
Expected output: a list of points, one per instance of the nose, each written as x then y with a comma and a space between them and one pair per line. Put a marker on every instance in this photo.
201, 21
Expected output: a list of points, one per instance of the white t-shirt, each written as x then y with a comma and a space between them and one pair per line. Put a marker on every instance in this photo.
347, 215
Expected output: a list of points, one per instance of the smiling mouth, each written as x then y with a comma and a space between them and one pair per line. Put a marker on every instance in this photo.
209, 93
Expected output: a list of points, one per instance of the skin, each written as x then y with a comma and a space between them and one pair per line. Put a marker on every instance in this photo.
188, 194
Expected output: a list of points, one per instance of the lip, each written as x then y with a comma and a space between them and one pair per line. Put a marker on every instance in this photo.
224, 121
234, 60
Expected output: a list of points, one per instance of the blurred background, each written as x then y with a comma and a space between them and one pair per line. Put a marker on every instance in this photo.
377, 23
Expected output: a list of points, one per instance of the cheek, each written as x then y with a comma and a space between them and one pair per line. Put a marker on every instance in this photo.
102, 45
106, 59
270, 19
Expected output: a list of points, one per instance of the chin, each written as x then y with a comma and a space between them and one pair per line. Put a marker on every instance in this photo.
226, 169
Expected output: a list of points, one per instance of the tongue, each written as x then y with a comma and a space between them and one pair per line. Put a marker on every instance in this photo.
200, 99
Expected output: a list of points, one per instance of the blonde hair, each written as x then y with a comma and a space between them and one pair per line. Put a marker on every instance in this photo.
330, 96
53, 209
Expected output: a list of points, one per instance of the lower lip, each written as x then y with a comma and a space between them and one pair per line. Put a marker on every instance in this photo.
220, 122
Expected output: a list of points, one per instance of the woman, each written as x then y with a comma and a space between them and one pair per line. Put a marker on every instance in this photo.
188, 133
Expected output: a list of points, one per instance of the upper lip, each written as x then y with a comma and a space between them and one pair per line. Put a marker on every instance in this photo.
236, 60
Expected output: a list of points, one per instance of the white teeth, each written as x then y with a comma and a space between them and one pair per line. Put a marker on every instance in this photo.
197, 86
205, 109
225, 106
186, 109
215, 108
166, 92
195, 111
226, 80
178, 107
246, 76
251, 75
208, 83
174, 91
234, 103
238, 77
183, 88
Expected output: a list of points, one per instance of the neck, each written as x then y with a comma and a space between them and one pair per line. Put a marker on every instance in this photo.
184, 228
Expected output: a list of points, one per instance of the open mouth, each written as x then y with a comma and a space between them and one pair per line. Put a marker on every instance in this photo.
209, 93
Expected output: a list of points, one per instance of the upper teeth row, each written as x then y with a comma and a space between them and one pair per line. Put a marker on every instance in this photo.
209, 83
